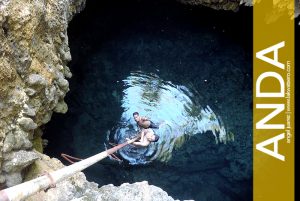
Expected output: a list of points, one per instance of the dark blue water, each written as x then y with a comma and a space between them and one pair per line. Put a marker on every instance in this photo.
188, 69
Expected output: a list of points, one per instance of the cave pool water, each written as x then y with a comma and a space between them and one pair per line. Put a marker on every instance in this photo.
187, 68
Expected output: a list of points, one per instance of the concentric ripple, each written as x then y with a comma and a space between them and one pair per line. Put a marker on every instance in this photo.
174, 107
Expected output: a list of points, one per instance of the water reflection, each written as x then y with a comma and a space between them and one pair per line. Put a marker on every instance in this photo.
174, 107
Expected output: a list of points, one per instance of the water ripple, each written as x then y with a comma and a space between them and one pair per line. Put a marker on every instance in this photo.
175, 108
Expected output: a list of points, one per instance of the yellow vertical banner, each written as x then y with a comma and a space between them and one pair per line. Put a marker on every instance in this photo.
273, 94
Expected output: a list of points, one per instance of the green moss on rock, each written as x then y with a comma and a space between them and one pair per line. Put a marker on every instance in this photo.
37, 143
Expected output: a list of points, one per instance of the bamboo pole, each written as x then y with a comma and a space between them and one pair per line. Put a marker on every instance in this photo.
24, 190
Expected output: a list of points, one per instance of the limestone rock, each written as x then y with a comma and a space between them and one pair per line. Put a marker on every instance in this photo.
17, 161
235, 4
27, 123
61, 107
16, 140
29, 111
63, 83
77, 188
30, 91
51, 93
246, 2
13, 179
2, 179
47, 118
67, 72
215, 4
36, 79
34, 53
133, 192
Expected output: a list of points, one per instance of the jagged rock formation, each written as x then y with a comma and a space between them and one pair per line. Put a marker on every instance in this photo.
215, 4
33, 56
77, 188
235, 4
134, 192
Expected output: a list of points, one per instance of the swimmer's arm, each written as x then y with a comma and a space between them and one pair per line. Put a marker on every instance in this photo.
131, 141
142, 143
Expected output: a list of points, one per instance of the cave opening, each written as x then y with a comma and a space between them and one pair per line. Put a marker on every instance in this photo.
198, 48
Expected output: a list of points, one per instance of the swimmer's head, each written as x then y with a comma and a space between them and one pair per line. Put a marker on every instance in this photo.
136, 116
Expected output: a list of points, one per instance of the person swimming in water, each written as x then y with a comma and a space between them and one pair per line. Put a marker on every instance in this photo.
147, 136
143, 122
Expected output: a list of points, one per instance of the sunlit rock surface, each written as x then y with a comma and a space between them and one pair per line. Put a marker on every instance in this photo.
134, 192
33, 56
79, 189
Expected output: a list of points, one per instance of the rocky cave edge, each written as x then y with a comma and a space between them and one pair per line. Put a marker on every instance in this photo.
34, 54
